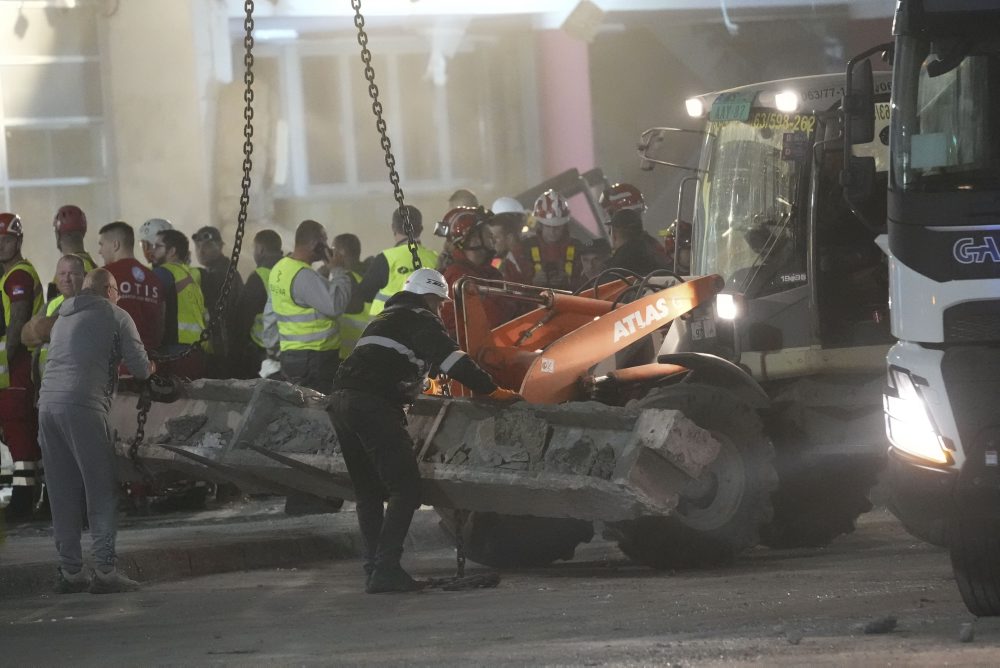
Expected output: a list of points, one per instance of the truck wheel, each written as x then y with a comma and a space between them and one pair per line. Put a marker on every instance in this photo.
975, 560
720, 514
812, 508
517, 541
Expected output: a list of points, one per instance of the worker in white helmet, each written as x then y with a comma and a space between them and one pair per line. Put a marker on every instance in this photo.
385, 372
147, 235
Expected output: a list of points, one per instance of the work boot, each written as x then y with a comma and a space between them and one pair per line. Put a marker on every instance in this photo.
111, 582
71, 583
386, 579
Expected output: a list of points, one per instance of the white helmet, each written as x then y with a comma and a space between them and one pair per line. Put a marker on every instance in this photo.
427, 282
152, 227
507, 205
551, 209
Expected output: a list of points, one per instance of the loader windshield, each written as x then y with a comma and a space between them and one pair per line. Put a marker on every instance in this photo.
750, 230
948, 130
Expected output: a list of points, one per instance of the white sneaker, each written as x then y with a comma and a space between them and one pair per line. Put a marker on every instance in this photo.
71, 583
111, 583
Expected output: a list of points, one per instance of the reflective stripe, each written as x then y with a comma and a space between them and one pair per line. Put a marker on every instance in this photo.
301, 317
190, 303
25, 466
381, 297
189, 327
390, 344
315, 336
23, 482
451, 360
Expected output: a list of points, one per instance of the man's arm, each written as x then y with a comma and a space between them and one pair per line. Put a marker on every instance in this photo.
133, 352
434, 346
20, 314
37, 330
328, 297
270, 336
376, 278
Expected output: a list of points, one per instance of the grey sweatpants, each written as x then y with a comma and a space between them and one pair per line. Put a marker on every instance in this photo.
80, 477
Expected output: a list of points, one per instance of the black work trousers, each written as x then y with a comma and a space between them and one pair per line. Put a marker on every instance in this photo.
314, 369
379, 455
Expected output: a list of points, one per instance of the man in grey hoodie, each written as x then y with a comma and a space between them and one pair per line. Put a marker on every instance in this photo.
88, 341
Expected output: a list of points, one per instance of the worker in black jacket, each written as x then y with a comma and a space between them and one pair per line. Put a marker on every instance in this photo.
384, 373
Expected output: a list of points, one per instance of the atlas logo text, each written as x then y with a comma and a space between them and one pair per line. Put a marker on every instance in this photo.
638, 320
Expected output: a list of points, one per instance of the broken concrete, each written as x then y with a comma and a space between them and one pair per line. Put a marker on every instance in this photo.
583, 460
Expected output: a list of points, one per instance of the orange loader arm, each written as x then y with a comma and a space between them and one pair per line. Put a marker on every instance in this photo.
546, 352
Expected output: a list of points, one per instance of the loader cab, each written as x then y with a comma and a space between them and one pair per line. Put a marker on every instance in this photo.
801, 268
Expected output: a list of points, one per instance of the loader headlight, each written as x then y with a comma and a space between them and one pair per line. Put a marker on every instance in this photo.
907, 420
728, 307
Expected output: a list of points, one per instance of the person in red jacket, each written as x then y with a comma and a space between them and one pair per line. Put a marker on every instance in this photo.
552, 250
471, 253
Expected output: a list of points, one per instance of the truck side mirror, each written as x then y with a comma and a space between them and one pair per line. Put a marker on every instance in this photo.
858, 180
859, 103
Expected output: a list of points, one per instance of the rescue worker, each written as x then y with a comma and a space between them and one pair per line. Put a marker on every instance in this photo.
385, 372
347, 248
471, 252
389, 269
69, 281
552, 250
70, 224
208, 246
593, 256
21, 293
185, 304
624, 196
630, 250
141, 293
677, 247
306, 307
89, 340
248, 329
147, 235
506, 226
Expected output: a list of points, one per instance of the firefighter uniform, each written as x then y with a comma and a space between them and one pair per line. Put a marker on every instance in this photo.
385, 372
18, 417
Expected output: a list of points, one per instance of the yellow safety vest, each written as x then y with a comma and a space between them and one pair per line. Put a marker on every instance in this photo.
536, 258
400, 266
352, 325
43, 352
190, 302
36, 306
257, 331
299, 327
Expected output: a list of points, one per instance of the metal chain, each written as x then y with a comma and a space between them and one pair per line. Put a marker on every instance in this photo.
219, 309
380, 125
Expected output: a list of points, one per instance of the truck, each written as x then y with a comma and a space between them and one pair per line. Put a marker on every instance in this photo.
942, 238
805, 308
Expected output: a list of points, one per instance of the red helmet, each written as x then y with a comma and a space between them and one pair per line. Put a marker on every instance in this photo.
461, 222
10, 224
620, 196
70, 218
551, 208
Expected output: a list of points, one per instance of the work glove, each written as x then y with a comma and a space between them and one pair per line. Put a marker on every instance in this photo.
505, 396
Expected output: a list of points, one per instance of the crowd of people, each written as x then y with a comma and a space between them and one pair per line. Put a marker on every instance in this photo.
316, 316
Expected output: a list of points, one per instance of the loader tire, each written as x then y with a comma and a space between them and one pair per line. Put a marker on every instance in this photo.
975, 561
517, 541
814, 507
719, 515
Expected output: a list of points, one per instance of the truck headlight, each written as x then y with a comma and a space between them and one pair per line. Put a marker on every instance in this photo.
907, 420
727, 306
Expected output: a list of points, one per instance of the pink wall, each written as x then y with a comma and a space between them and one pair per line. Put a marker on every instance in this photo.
564, 96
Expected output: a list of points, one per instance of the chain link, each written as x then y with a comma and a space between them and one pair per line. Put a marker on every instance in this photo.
219, 308
380, 125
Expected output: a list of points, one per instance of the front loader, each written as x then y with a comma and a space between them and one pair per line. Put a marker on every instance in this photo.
667, 454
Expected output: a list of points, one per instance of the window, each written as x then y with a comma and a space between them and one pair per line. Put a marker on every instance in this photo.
442, 136
55, 140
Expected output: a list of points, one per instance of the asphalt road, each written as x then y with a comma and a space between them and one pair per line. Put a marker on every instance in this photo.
773, 607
